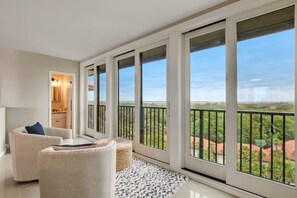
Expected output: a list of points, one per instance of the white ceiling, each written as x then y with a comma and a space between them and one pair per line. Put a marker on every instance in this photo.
79, 29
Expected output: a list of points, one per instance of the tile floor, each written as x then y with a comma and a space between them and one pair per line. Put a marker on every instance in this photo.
11, 189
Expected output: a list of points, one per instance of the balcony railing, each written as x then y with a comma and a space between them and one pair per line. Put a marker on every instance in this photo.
263, 138
266, 146
91, 116
101, 118
208, 135
153, 127
126, 122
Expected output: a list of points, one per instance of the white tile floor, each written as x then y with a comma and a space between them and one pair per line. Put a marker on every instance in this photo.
11, 189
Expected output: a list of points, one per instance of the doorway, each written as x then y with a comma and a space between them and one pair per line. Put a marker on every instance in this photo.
61, 100
142, 102
96, 97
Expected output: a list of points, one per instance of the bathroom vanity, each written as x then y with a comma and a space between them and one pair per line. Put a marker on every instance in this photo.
59, 119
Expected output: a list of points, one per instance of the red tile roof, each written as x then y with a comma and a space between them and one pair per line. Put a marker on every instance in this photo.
290, 148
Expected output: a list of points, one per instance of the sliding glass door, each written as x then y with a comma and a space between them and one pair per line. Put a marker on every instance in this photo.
96, 100
205, 110
101, 100
266, 104
142, 100
126, 96
152, 112
90, 100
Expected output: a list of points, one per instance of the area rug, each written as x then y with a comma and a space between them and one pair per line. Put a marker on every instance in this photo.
143, 179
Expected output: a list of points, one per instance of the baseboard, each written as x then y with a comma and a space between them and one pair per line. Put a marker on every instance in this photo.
88, 138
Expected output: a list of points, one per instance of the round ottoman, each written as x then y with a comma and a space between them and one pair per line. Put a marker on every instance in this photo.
124, 152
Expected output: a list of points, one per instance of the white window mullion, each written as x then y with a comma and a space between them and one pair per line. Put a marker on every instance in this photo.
295, 83
137, 98
175, 97
231, 99
110, 98
95, 98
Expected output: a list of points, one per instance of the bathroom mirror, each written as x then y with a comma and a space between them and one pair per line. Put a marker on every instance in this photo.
56, 94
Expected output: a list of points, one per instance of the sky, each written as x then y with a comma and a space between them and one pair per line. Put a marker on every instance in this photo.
265, 73
102, 89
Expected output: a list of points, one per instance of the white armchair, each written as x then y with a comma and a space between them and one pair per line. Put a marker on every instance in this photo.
24, 148
88, 173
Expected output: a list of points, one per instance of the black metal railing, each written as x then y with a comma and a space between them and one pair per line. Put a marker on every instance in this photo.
208, 135
101, 118
153, 127
126, 122
153, 131
262, 139
91, 116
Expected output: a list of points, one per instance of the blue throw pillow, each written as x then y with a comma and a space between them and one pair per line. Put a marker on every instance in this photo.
36, 129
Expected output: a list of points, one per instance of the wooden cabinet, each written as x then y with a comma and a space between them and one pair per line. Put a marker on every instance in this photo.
59, 120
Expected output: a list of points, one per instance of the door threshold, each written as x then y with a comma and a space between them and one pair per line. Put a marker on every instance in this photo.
88, 137
219, 185
151, 160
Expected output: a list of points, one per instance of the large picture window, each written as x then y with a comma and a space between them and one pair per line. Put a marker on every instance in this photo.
101, 98
96, 100
91, 99
265, 94
153, 112
126, 97
208, 98
205, 80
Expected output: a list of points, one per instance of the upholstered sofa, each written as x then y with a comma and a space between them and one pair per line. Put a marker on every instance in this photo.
87, 173
24, 149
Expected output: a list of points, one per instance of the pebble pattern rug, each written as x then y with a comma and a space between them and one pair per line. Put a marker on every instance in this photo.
143, 179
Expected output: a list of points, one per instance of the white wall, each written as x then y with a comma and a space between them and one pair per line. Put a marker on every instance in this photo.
2, 131
24, 86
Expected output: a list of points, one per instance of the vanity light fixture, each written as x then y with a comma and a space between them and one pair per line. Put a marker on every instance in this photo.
55, 83
69, 84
